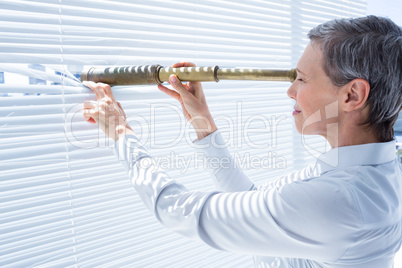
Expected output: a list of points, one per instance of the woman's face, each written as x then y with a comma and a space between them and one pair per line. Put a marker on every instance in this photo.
316, 107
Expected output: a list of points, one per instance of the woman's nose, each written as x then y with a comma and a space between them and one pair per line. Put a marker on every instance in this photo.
292, 91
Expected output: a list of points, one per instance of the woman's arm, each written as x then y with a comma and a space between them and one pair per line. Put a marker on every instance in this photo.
298, 220
225, 171
226, 175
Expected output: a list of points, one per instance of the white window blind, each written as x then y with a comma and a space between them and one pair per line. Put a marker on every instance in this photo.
65, 199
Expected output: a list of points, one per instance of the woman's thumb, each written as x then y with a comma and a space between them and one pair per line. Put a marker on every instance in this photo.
176, 84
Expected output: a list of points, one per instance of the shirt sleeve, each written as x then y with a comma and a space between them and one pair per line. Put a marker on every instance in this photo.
225, 172
304, 219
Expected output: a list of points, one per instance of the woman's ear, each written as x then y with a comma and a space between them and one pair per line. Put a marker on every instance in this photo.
355, 95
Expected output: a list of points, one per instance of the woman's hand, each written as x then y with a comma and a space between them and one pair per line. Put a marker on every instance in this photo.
192, 99
106, 111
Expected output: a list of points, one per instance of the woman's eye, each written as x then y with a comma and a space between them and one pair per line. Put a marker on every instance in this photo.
300, 79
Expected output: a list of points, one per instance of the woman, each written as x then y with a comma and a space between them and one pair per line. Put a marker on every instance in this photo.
344, 210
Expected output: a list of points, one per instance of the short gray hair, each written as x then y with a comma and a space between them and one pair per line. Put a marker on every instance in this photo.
369, 48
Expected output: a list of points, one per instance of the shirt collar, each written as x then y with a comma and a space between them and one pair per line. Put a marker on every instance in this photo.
356, 155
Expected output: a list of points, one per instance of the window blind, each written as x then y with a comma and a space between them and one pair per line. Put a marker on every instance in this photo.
65, 199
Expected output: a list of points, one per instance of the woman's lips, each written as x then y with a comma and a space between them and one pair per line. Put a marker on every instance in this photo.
295, 112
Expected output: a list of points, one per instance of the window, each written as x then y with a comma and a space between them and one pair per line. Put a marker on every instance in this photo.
65, 200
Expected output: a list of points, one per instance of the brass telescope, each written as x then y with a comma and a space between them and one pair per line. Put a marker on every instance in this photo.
156, 74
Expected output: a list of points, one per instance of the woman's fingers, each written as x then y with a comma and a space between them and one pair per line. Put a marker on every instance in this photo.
90, 104
89, 111
183, 64
176, 84
108, 90
104, 96
106, 111
169, 92
97, 88
90, 115
101, 90
194, 87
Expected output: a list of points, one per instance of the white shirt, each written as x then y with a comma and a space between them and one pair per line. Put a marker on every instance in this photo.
342, 211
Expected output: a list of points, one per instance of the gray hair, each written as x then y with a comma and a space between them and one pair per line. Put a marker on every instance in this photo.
369, 48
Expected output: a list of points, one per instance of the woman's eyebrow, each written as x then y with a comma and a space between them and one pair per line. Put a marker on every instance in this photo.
298, 70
